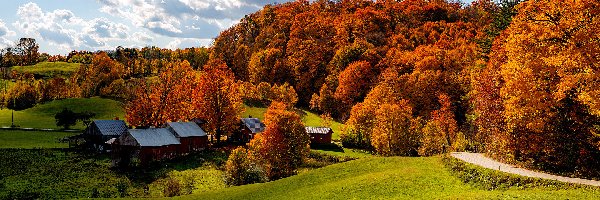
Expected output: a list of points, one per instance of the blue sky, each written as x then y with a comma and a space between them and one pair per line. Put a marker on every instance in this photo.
60, 26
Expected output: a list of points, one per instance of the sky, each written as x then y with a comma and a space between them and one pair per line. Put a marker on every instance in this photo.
60, 26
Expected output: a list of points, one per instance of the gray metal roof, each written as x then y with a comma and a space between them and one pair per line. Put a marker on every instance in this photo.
186, 129
254, 125
111, 127
318, 130
153, 137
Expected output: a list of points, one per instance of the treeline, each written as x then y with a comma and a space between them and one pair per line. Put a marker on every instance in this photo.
25, 52
425, 77
112, 74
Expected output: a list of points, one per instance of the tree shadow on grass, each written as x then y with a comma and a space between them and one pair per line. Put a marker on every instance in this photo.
327, 147
155, 170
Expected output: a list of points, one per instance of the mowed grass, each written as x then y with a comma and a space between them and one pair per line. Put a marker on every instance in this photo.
32, 139
383, 178
42, 115
49, 69
309, 119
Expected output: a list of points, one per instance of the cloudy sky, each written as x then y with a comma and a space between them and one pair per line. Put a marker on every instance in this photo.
60, 26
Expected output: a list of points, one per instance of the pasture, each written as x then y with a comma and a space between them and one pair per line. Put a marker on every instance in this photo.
33, 139
49, 69
42, 115
385, 178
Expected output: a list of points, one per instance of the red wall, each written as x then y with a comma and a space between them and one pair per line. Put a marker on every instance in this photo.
317, 138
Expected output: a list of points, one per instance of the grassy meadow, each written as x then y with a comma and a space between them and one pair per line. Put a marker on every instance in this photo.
42, 115
49, 69
67, 174
384, 178
33, 139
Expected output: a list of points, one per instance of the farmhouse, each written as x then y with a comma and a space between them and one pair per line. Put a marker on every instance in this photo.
100, 131
190, 135
248, 128
319, 135
146, 145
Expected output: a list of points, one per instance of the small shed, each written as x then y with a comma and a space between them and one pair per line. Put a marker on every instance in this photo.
146, 145
319, 135
100, 131
249, 128
190, 135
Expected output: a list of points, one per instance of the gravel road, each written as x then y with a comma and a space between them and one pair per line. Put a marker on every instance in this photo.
481, 160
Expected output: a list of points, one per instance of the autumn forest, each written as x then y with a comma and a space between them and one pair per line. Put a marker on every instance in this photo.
516, 80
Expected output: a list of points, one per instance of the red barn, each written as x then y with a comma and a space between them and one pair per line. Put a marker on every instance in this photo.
146, 145
319, 135
190, 135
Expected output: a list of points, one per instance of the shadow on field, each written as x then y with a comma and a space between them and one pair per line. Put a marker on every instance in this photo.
155, 170
327, 147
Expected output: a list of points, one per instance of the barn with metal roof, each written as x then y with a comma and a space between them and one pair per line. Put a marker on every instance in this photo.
100, 131
319, 135
191, 136
147, 145
249, 127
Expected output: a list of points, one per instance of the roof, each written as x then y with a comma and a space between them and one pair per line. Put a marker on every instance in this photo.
317, 130
153, 137
186, 129
254, 125
111, 127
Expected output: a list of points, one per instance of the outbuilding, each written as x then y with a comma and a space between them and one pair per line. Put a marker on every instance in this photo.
146, 145
319, 135
249, 128
100, 131
190, 135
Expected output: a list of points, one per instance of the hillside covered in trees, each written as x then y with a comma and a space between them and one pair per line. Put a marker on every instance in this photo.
516, 80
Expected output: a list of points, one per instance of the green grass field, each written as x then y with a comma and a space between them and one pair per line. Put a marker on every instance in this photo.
66, 174
383, 178
42, 115
32, 139
49, 69
309, 119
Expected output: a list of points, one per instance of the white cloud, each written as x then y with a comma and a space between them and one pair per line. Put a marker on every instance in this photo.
4, 31
67, 31
142, 37
182, 18
180, 43
103, 28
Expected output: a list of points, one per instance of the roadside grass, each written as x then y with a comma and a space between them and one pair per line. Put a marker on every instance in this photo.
42, 115
49, 69
309, 119
384, 178
32, 139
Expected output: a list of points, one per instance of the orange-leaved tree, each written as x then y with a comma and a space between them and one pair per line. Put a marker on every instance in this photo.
167, 99
218, 100
441, 134
550, 92
394, 132
284, 144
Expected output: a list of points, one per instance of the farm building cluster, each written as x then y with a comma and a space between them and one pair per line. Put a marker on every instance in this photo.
171, 140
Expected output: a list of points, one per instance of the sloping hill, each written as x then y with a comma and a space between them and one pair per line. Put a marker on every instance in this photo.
383, 178
42, 115
309, 119
49, 69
